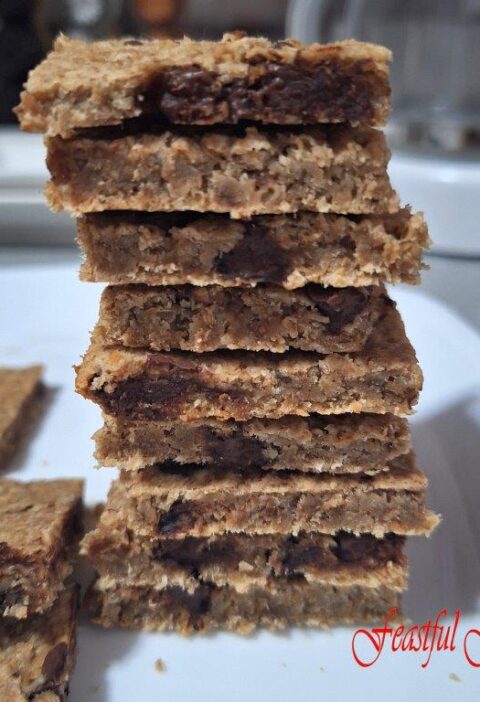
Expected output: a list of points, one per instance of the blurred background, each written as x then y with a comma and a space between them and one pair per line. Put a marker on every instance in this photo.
434, 130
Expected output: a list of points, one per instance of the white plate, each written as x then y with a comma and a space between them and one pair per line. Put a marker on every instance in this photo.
45, 316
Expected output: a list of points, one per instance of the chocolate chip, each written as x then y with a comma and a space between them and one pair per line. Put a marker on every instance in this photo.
192, 553
54, 663
196, 604
301, 552
145, 398
235, 451
341, 306
10, 598
178, 518
355, 549
188, 94
347, 242
255, 257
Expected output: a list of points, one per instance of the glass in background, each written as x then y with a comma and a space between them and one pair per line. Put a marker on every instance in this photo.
435, 73
435, 125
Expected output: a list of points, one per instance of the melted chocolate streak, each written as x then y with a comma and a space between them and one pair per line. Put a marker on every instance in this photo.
255, 257
141, 397
343, 92
193, 553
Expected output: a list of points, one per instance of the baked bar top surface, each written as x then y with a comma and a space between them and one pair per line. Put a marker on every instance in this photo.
241, 170
286, 250
383, 377
209, 318
33, 517
37, 655
332, 443
202, 82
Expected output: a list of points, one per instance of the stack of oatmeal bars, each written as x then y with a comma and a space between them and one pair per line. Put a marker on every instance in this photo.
253, 373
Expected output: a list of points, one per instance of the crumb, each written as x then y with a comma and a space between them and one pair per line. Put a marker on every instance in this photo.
160, 666
44, 464
454, 677
284, 665
322, 669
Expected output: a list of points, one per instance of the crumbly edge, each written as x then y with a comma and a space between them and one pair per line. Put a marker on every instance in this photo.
253, 319
383, 377
242, 561
340, 444
211, 608
30, 582
37, 655
122, 248
341, 170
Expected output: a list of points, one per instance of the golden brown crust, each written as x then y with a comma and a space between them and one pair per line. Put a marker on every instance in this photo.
90, 84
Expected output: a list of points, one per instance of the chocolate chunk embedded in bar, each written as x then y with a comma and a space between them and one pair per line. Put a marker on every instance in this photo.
37, 655
240, 560
84, 84
286, 250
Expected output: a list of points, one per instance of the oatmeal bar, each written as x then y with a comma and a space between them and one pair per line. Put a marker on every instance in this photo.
241, 561
40, 524
350, 443
314, 318
287, 250
290, 603
175, 501
240, 170
37, 655
20, 395
137, 384
84, 84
